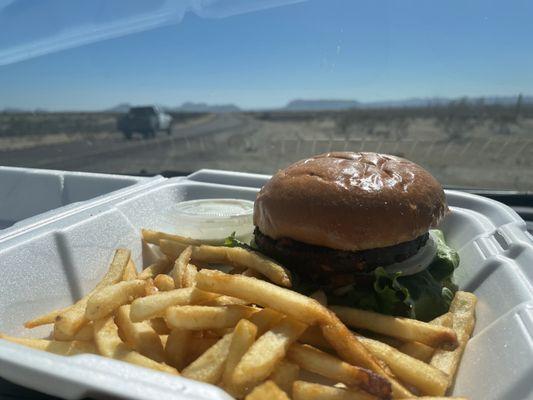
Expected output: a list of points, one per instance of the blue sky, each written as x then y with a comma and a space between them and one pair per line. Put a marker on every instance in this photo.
342, 49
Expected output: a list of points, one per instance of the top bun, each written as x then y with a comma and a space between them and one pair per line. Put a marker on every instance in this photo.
350, 201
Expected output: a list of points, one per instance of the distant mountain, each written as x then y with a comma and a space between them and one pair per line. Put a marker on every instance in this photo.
204, 107
414, 102
506, 100
315, 105
311, 105
13, 110
185, 107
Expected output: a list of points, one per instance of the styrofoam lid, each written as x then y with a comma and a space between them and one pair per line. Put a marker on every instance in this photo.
213, 220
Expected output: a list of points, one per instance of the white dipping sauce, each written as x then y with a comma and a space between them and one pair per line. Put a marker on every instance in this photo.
213, 220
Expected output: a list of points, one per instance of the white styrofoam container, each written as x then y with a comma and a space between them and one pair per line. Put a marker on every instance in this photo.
51, 265
27, 192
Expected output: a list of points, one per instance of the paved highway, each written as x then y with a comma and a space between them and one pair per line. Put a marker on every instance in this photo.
118, 155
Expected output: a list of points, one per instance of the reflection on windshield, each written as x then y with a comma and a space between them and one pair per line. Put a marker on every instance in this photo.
255, 85
462, 144
26, 34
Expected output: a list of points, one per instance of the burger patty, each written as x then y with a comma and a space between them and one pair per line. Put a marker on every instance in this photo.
332, 267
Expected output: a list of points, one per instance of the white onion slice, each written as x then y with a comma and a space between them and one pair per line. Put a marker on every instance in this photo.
417, 263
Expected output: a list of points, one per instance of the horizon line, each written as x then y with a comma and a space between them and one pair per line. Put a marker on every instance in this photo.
287, 103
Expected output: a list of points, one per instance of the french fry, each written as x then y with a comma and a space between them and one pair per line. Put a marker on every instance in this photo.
86, 333
180, 265
171, 248
418, 350
161, 266
405, 329
110, 345
422, 351
386, 368
270, 348
313, 336
352, 351
205, 317
321, 297
230, 255
159, 325
70, 348
164, 283
154, 306
207, 324
263, 293
347, 345
265, 319
45, 319
391, 341
58, 335
69, 322
242, 339
252, 273
314, 360
177, 347
285, 374
189, 275
106, 337
150, 288
313, 391
106, 300
225, 301
198, 346
130, 272
212, 254
267, 390
463, 310
210, 365
154, 237
140, 336
425, 378
243, 258
444, 320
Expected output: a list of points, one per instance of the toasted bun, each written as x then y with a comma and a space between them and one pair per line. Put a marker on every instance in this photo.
350, 201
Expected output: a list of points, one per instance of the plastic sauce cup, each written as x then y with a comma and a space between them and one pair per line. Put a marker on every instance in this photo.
213, 220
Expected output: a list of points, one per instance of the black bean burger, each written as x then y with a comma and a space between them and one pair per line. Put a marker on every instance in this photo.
360, 227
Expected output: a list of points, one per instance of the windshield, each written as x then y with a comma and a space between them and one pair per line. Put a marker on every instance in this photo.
255, 85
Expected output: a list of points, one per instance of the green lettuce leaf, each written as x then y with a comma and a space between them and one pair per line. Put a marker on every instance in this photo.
232, 241
392, 296
423, 296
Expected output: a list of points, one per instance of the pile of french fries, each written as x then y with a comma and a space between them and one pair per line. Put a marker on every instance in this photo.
246, 331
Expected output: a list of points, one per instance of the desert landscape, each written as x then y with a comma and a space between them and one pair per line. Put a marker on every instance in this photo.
463, 144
